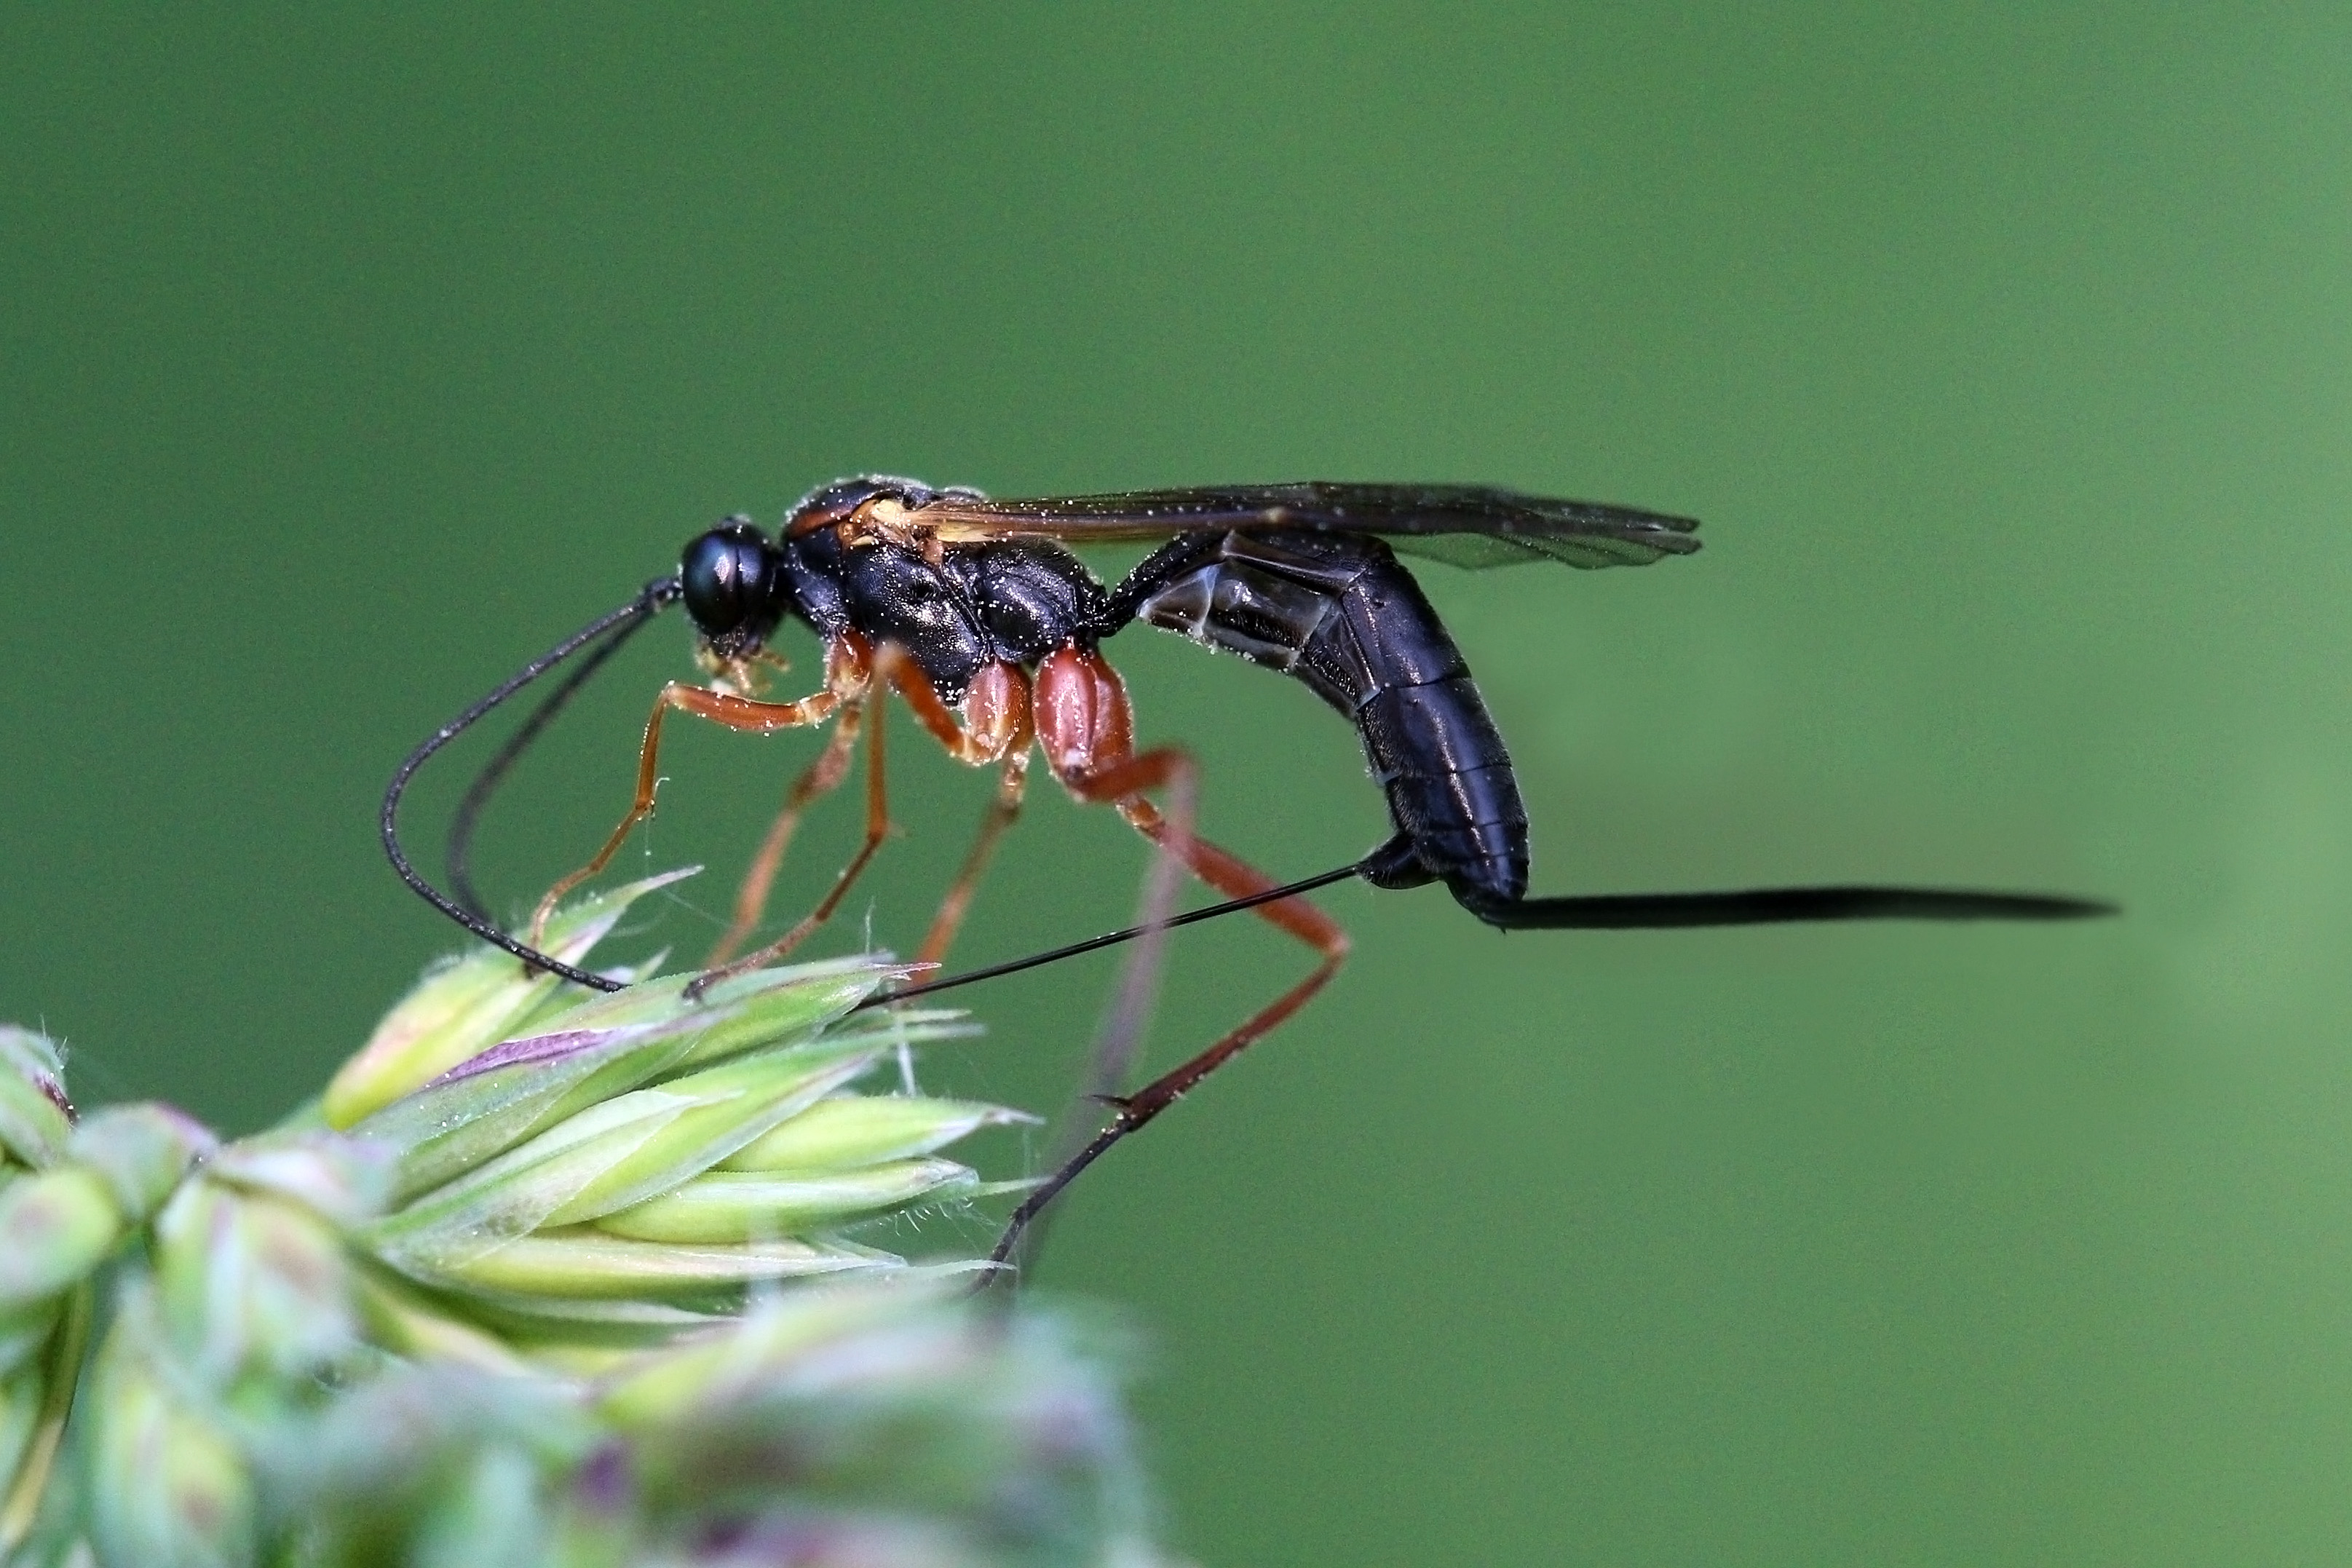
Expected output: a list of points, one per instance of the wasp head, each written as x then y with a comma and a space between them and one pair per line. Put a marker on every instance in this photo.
735, 589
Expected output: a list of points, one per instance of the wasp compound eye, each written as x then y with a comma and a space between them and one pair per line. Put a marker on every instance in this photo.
727, 578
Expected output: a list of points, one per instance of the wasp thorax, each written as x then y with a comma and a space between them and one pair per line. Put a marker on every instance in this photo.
895, 594
854, 503
731, 587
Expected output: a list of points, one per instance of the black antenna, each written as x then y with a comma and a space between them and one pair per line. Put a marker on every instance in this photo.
462, 822
655, 597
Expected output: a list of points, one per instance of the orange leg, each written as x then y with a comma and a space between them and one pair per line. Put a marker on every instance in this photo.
878, 828
1083, 725
1236, 879
997, 728
719, 707
820, 778
1003, 812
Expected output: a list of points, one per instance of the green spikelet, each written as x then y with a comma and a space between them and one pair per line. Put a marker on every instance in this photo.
542, 1279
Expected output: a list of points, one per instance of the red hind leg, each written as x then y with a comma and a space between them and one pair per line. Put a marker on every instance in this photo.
1084, 725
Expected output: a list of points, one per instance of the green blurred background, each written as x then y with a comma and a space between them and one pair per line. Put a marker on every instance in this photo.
349, 359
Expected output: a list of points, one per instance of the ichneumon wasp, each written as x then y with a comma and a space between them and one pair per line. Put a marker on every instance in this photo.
976, 616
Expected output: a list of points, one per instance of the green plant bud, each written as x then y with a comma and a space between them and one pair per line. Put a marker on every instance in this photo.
799, 996
29, 1054
167, 1486
490, 1513
869, 1402
409, 1469
666, 1388
22, 1394
611, 1155
584, 1262
34, 1118
509, 1093
731, 1206
730, 1105
506, 1094
55, 1228
596, 1522
22, 1401
402, 1320
514, 1194
850, 1131
251, 1287
826, 992
588, 1336
464, 1006
548, 1278
52, 1382
548, 1014
140, 1151
343, 1179
853, 1538
24, 1330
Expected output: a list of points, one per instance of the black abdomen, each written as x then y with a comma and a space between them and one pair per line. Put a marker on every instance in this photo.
1340, 613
